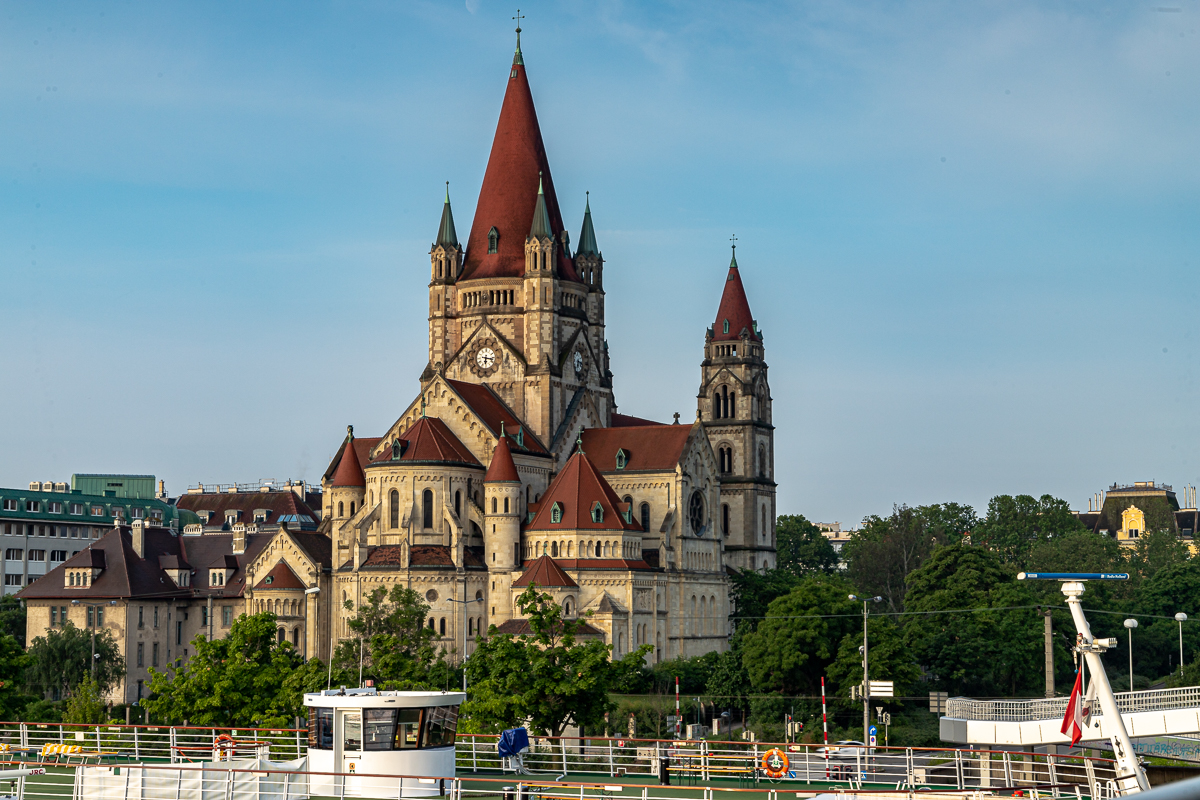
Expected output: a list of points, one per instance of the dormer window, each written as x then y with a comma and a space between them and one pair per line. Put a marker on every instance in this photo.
622, 459
493, 240
597, 512
396, 449
216, 578
260, 515
556, 513
231, 517
269, 580
725, 327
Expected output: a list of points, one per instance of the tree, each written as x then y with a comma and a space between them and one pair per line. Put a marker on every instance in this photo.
752, 592
247, 679
801, 548
544, 677
13, 662
62, 659
889, 659
880, 556
86, 704
795, 643
12, 618
1014, 525
728, 682
1157, 550
982, 652
397, 648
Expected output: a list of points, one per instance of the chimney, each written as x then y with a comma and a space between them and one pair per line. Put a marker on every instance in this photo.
162, 490
239, 541
138, 533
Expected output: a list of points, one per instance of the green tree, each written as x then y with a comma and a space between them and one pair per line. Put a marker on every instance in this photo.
880, 556
239, 681
545, 676
1157, 550
981, 653
1015, 525
728, 682
889, 659
398, 649
61, 659
85, 705
801, 548
752, 592
798, 639
12, 618
13, 662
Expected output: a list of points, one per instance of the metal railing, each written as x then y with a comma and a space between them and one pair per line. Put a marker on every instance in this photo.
700, 763
1055, 708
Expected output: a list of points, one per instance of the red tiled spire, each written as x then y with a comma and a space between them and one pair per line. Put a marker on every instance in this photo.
349, 471
510, 190
502, 469
734, 314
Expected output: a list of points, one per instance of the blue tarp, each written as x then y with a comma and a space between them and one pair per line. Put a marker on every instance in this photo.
512, 741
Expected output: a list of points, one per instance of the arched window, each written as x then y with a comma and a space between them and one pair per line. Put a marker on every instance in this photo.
556, 513
457, 503
597, 549
505, 505
570, 549
622, 459
554, 549
733, 404
427, 509
394, 508
396, 449
341, 509
725, 519
607, 550
493, 505
442, 627
493, 240
295, 637
352, 508
620, 643
597, 512
645, 517
431, 623
716, 405
567, 606
470, 627
764, 523
724, 326
279, 635
762, 461
692, 622
712, 610
703, 615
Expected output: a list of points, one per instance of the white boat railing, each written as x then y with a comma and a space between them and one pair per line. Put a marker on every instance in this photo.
1054, 708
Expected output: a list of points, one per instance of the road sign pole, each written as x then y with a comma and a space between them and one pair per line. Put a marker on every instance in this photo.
825, 726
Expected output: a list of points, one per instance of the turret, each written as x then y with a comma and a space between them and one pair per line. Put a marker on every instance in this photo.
541, 254
502, 526
445, 264
349, 484
589, 263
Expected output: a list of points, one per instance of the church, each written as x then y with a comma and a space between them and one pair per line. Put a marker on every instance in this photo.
512, 465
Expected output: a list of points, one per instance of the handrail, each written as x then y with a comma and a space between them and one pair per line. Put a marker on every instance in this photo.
1054, 708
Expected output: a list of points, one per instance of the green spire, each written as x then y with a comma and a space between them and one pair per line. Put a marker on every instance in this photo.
733, 258
541, 217
587, 237
446, 235
517, 59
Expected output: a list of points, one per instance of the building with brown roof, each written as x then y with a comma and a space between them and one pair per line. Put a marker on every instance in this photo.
513, 452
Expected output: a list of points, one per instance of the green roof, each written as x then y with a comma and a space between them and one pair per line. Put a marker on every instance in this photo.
446, 235
104, 485
587, 237
20, 504
540, 229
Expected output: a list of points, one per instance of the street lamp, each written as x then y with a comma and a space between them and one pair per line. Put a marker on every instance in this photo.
464, 602
93, 627
866, 687
1130, 624
1181, 618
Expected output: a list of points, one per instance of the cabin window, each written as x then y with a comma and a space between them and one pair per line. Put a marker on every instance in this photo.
441, 723
320, 728
377, 728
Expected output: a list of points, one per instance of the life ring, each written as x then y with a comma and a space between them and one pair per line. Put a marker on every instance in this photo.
775, 763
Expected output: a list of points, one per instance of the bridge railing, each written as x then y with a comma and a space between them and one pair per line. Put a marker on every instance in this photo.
1054, 708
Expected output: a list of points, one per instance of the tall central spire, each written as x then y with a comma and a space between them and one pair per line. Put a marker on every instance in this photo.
509, 197
517, 59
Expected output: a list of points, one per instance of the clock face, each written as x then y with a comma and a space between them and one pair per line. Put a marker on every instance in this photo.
485, 358
578, 363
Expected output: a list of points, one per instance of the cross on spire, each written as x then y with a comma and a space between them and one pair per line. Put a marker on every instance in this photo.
518, 18
733, 240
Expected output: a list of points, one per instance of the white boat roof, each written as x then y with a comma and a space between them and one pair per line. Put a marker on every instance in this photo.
373, 698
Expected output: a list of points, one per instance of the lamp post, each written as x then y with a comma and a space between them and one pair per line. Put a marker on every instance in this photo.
93, 627
1181, 618
866, 687
1130, 624
464, 602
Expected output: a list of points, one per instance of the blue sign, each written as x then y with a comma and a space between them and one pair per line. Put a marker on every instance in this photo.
1072, 576
872, 730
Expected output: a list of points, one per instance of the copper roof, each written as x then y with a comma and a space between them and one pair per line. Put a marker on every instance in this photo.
575, 490
280, 577
544, 572
429, 440
502, 469
349, 470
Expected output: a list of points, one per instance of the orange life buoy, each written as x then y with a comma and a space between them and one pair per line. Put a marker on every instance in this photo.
775, 763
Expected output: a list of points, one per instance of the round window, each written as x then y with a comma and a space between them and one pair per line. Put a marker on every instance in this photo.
431, 595
696, 513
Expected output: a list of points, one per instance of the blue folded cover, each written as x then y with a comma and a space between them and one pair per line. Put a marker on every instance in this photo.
512, 741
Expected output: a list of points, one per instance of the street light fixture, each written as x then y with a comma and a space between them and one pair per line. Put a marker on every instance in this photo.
1130, 624
866, 687
464, 602
1181, 618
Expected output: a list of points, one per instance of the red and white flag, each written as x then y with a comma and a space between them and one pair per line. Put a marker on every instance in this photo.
1073, 720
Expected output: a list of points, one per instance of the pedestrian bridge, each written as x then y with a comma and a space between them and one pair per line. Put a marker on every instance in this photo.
1029, 723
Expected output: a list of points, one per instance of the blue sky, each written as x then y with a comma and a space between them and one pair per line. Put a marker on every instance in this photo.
968, 230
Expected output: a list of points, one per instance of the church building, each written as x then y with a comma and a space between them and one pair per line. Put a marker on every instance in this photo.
512, 465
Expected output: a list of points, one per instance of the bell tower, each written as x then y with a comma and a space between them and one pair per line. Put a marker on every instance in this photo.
734, 405
445, 264
502, 530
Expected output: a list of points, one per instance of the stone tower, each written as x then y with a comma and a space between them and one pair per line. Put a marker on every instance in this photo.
502, 528
734, 405
445, 262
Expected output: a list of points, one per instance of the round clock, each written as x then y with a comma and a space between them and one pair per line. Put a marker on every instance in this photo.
578, 363
485, 358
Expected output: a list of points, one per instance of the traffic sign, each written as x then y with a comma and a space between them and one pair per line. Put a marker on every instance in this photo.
883, 689
872, 730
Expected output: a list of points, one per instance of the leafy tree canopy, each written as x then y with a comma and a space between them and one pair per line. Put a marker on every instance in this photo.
12, 618
239, 681
1157, 550
62, 659
751, 593
397, 648
889, 659
801, 548
793, 646
1014, 525
546, 677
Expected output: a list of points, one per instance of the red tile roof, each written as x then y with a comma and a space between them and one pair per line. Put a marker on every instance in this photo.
544, 572
735, 308
429, 441
575, 490
349, 469
502, 469
124, 573
510, 188
362, 447
422, 555
647, 447
521, 627
625, 421
488, 406
280, 577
